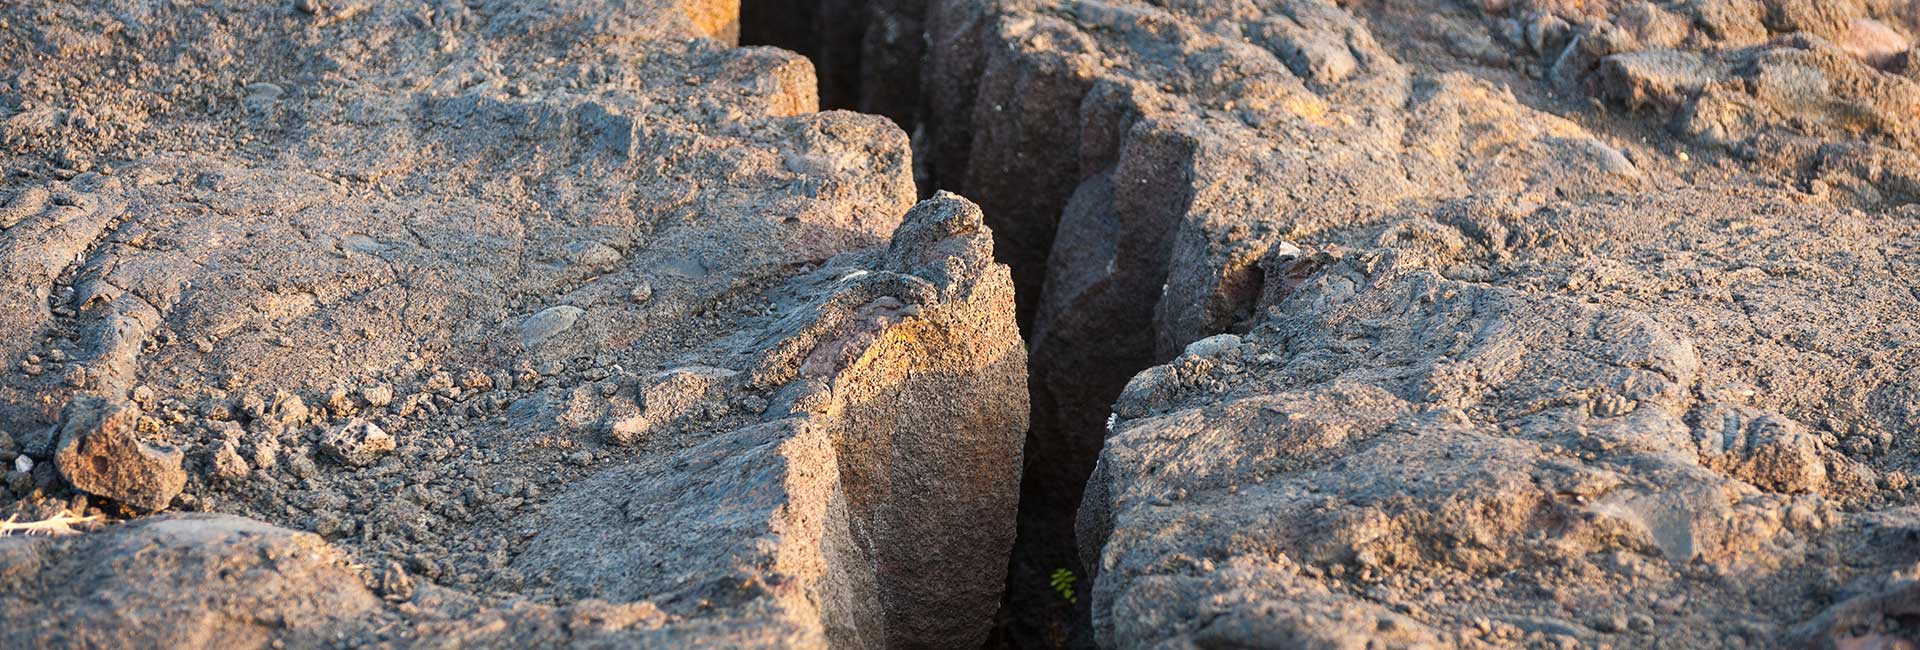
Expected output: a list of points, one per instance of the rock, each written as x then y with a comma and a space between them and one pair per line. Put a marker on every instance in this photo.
228, 464
667, 397
193, 580
592, 254
284, 410
377, 395
549, 322
1664, 79
1767, 450
904, 352
498, 171
1143, 163
1213, 345
101, 453
358, 443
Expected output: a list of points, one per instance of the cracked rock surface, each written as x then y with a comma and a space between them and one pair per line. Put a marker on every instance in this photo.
1482, 324
544, 323
1347, 324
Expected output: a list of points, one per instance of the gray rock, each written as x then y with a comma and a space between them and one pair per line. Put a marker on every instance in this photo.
548, 323
192, 580
358, 443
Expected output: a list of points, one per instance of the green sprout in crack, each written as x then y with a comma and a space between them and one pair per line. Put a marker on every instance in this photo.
1063, 580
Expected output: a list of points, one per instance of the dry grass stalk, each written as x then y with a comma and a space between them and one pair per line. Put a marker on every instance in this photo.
60, 524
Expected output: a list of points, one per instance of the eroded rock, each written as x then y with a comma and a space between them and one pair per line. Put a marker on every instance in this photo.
886, 467
447, 246
358, 443
101, 451
188, 580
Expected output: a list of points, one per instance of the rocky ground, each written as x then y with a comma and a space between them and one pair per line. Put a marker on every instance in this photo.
484, 325
1496, 323
1491, 323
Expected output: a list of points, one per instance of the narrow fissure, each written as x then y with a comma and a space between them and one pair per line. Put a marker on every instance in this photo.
1307, 326
1161, 176
1026, 171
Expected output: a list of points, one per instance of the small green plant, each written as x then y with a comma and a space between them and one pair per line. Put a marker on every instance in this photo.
1063, 580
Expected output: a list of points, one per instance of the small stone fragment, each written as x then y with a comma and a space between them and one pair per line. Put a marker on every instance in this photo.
338, 400
549, 322
378, 395
285, 410
228, 465
358, 443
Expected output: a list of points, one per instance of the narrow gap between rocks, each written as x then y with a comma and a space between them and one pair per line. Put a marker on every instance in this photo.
869, 57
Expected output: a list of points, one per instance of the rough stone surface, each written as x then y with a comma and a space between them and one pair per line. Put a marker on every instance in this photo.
1504, 323
1730, 181
101, 452
358, 443
179, 581
485, 229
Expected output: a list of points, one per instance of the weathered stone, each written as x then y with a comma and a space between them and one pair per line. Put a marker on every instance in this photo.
1150, 162
228, 464
193, 580
568, 195
898, 383
358, 443
549, 322
101, 452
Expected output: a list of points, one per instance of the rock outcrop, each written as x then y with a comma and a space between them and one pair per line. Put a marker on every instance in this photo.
1508, 323
417, 278
1442, 246
179, 581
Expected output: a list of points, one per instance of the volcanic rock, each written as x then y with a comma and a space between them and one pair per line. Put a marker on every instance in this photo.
395, 196
101, 452
192, 580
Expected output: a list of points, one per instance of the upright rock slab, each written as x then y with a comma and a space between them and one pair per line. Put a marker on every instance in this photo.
886, 465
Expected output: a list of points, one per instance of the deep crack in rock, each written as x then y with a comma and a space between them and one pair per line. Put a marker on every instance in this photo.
1508, 323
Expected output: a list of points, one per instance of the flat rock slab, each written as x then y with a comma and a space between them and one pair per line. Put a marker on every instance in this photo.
186, 580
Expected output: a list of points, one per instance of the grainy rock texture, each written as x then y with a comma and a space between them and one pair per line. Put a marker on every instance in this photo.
1483, 323
1488, 323
179, 581
561, 321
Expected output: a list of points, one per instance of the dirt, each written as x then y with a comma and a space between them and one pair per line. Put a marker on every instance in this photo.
1275, 323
